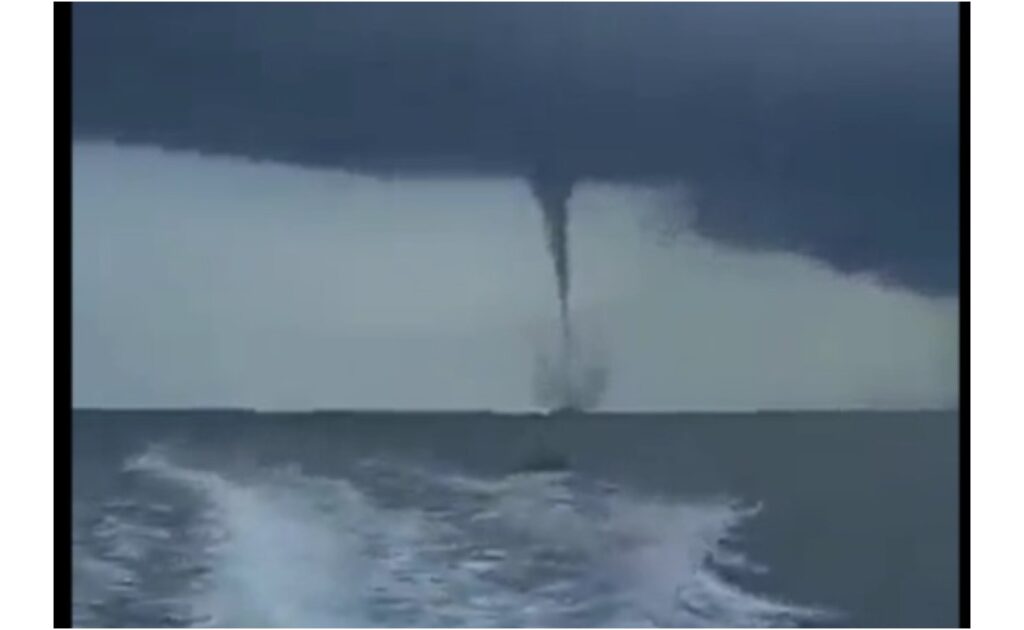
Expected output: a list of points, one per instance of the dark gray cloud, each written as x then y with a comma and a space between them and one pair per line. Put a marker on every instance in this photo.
825, 129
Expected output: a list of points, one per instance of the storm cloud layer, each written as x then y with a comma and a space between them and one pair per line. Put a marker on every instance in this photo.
828, 130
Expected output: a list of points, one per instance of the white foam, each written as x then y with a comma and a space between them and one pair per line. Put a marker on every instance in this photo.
289, 549
280, 561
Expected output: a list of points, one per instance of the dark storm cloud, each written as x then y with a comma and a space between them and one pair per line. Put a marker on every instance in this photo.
825, 129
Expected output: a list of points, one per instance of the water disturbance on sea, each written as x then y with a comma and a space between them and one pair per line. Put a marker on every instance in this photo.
235, 518
399, 544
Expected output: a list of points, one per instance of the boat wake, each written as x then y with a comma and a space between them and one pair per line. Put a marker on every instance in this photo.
392, 544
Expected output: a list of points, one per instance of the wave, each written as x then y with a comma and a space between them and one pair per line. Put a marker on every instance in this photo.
393, 544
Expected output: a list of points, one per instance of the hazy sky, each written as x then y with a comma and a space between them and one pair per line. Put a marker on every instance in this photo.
219, 281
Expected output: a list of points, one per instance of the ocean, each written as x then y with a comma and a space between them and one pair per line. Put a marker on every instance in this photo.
236, 518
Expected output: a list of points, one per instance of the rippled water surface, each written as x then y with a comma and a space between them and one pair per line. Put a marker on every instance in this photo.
235, 519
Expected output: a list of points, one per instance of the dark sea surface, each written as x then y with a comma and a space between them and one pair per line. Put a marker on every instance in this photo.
232, 518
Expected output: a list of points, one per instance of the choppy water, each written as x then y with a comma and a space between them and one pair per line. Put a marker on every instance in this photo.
229, 519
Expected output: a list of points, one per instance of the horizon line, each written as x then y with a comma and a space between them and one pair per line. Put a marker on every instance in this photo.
525, 412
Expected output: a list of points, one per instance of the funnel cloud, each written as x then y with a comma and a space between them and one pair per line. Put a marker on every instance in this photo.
562, 382
552, 190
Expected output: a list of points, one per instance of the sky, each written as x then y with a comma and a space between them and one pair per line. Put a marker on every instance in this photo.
203, 281
329, 206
